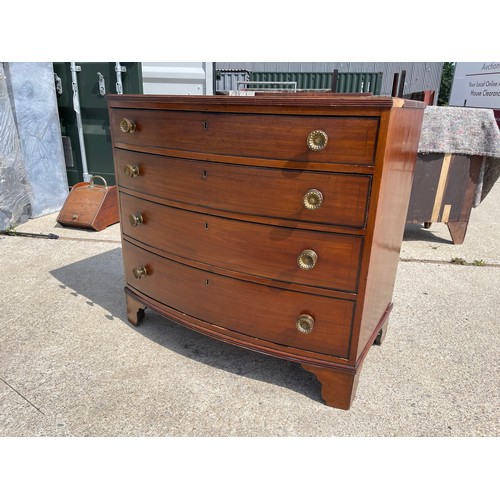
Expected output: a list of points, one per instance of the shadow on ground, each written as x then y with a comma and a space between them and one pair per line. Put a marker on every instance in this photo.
417, 232
100, 280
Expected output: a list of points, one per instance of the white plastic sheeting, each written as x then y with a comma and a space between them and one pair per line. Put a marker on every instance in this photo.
15, 191
34, 102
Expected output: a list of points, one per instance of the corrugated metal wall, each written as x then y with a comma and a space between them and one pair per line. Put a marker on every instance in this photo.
279, 81
419, 75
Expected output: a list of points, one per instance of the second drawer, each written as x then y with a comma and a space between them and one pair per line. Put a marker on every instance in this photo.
302, 195
312, 258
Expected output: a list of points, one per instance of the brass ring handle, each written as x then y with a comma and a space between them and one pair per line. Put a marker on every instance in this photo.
317, 140
135, 219
127, 126
139, 272
307, 259
313, 199
305, 323
131, 170
91, 182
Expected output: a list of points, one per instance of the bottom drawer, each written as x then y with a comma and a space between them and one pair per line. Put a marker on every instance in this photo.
273, 314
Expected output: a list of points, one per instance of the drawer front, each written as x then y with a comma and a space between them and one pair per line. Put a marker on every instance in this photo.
311, 258
258, 311
269, 192
349, 140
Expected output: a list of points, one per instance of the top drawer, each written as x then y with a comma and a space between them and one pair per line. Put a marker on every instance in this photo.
336, 139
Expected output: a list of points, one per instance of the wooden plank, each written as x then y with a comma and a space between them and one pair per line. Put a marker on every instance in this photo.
446, 213
441, 187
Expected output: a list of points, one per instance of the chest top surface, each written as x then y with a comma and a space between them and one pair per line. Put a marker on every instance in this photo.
279, 103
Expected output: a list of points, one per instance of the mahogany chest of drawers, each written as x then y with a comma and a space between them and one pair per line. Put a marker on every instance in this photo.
270, 222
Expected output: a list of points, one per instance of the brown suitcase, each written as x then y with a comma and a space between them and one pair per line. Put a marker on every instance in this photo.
90, 206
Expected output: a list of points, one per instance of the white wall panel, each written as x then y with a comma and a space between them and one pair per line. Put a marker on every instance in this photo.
180, 78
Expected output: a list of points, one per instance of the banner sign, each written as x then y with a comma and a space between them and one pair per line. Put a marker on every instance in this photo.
476, 85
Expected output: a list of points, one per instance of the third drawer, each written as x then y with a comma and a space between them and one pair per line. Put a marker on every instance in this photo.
311, 258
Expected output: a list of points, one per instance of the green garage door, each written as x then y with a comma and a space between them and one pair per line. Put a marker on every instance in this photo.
95, 81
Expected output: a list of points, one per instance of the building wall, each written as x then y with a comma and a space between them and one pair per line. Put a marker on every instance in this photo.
419, 75
181, 78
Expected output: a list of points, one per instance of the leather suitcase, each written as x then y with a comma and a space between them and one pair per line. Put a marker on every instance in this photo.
90, 206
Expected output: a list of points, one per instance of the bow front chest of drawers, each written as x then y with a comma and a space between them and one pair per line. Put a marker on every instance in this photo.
270, 222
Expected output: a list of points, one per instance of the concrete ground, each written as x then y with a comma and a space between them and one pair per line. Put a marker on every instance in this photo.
71, 364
